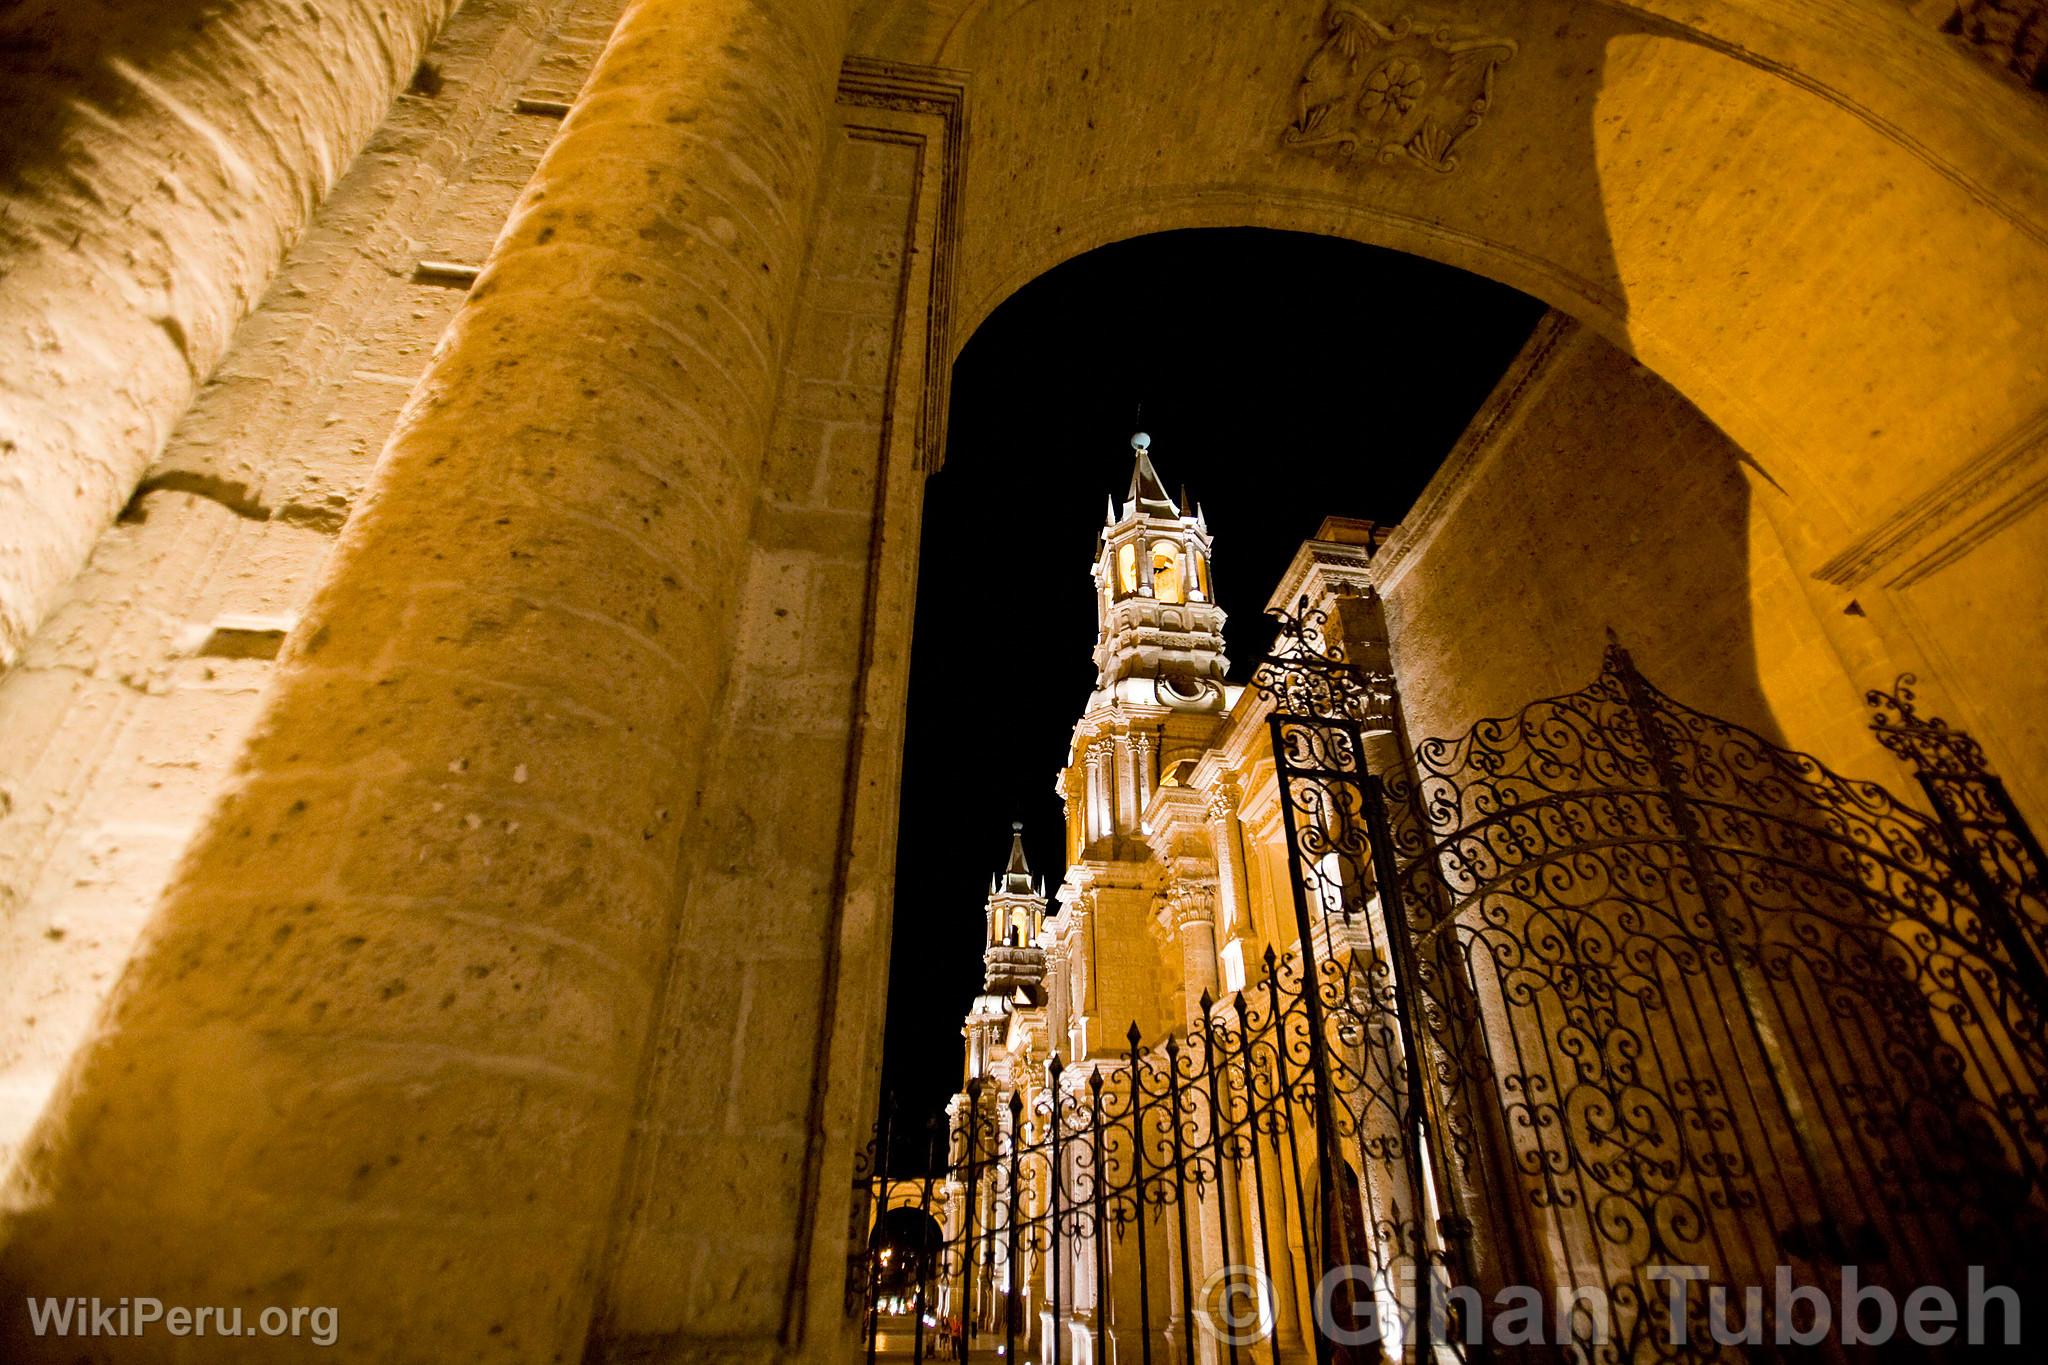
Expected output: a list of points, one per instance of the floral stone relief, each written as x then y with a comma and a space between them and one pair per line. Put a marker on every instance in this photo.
1407, 91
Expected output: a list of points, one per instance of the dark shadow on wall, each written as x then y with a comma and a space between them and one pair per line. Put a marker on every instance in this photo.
1589, 496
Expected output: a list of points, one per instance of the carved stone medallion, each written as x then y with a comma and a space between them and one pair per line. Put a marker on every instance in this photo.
1410, 91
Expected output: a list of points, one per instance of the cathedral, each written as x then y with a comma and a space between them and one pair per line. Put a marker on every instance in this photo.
1165, 898
462, 471
1176, 878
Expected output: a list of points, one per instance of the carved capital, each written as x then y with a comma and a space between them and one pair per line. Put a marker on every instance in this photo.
1223, 799
1191, 901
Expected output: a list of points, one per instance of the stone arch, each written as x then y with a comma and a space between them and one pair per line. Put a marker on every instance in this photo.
1724, 201
1819, 222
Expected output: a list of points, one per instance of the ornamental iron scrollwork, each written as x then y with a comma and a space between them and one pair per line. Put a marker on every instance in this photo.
1719, 1006
1305, 673
2002, 859
1603, 986
1111, 1191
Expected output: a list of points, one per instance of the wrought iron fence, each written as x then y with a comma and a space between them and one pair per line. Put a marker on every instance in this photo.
1594, 990
1699, 1001
1111, 1199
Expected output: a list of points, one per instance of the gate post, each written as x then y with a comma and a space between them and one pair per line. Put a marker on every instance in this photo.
1318, 742
1993, 845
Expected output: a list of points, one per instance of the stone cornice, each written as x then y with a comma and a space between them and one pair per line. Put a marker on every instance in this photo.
1954, 515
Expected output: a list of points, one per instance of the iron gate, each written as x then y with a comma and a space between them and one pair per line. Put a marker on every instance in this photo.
1603, 988
1709, 1004
1090, 1223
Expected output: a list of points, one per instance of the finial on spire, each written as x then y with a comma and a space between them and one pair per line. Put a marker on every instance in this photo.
1148, 495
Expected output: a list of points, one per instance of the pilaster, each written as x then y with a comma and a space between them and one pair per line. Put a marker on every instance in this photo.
431, 923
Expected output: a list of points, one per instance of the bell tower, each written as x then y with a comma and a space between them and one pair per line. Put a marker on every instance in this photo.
1013, 959
1159, 662
1159, 632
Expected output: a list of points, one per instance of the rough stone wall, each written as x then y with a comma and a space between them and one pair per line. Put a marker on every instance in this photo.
127, 709
1589, 496
160, 156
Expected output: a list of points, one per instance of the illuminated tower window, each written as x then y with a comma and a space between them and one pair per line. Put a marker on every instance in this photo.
1158, 628
1165, 571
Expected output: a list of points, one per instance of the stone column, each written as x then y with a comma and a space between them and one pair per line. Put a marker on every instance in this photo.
1141, 761
1223, 838
1100, 823
1127, 800
1194, 917
1193, 904
380, 1048
1073, 806
162, 156
1080, 976
1058, 995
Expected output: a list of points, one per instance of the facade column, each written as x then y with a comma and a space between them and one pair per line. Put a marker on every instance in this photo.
1080, 976
1127, 803
393, 1010
1141, 760
1193, 904
1100, 823
122, 280
1231, 897
1057, 997
1194, 917
1074, 807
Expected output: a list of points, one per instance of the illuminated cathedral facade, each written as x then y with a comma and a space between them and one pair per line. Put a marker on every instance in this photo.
1176, 886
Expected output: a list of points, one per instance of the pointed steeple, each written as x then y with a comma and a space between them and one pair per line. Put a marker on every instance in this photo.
1148, 494
1016, 877
1013, 962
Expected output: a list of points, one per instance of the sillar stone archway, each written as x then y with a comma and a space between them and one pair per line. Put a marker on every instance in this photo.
545, 919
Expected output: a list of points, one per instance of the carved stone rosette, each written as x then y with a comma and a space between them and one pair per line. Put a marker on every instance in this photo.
1408, 91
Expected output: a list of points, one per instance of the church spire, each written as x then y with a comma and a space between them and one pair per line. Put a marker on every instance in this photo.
1148, 494
1013, 962
1015, 879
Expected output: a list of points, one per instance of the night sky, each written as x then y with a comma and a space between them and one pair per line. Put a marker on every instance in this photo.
1283, 377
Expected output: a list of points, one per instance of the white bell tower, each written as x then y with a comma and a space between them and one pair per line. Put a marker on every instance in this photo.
1159, 636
